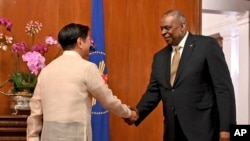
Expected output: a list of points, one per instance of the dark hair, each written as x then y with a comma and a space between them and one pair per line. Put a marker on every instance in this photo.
68, 35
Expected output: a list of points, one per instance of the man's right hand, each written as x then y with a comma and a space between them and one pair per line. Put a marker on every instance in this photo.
134, 116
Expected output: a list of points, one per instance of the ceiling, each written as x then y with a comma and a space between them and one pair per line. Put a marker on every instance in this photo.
225, 5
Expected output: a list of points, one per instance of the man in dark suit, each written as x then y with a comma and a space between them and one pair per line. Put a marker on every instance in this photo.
200, 103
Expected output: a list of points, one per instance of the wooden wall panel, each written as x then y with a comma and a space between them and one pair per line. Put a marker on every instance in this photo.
52, 13
132, 35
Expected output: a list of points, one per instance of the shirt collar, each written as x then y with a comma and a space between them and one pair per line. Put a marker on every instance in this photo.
71, 53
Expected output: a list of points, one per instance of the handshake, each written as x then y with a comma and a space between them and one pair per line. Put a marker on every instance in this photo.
134, 116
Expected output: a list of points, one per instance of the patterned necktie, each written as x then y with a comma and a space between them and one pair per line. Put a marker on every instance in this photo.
175, 63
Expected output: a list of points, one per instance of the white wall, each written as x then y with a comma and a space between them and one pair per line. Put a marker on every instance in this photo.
232, 22
226, 5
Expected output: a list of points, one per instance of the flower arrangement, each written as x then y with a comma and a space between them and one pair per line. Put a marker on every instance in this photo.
32, 54
5, 39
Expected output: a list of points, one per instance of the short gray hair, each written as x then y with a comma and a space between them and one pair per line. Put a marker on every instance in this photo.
177, 14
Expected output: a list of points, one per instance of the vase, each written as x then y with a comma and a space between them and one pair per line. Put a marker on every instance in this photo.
20, 104
23, 85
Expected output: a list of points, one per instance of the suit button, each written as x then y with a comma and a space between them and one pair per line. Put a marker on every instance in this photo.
172, 90
173, 108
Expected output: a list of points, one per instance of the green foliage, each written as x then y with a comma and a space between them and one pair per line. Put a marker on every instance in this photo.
24, 82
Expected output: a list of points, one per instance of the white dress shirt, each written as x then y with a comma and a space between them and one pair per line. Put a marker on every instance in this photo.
181, 44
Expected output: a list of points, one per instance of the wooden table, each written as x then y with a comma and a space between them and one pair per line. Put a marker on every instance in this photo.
13, 127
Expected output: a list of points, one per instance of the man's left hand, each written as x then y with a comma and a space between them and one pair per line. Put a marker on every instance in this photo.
224, 136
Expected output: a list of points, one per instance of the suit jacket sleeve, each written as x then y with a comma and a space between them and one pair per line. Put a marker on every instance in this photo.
151, 97
223, 86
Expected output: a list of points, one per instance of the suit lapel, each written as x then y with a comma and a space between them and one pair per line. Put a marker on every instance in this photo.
165, 65
168, 66
187, 52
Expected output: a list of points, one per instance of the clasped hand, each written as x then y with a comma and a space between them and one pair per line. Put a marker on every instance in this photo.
134, 116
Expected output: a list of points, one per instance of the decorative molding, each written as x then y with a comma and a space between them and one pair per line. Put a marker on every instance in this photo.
227, 27
228, 22
243, 18
226, 5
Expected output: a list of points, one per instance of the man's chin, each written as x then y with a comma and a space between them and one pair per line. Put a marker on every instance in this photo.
168, 42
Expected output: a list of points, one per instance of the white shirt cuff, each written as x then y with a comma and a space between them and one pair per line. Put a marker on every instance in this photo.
33, 139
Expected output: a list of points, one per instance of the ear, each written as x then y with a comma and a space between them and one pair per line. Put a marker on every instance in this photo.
183, 25
79, 41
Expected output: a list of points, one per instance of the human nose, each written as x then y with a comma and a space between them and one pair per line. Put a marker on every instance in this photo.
163, 31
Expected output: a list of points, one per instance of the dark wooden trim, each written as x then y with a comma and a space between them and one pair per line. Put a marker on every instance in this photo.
13, 127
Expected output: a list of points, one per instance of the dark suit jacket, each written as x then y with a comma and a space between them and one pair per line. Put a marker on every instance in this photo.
202, 95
